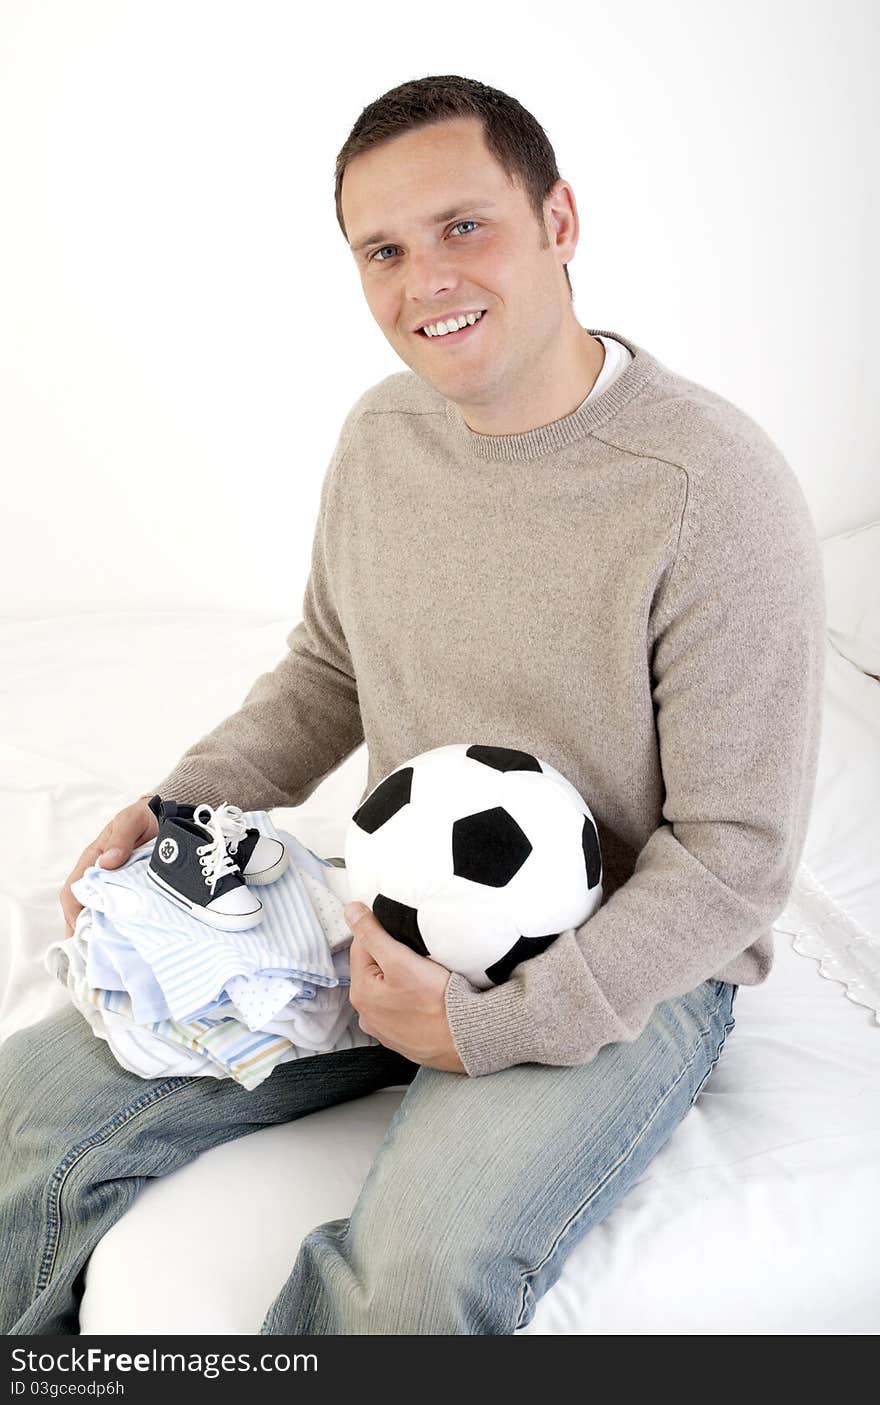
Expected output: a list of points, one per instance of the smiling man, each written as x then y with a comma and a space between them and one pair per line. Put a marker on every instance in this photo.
520, 359
539, 537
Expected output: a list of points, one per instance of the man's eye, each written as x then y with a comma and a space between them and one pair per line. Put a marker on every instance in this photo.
375, 256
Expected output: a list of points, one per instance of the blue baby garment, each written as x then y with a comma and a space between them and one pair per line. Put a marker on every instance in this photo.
174, 966
170, 993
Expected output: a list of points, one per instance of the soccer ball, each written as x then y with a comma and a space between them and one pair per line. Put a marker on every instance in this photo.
476, 856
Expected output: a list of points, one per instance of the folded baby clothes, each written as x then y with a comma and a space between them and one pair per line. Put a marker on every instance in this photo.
114, 964
192, 963
171, 995
218, 1048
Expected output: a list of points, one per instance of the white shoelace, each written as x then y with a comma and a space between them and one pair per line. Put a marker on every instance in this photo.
223, 823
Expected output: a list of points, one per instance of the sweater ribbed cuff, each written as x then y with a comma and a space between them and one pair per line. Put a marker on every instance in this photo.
188, 786
489, 1028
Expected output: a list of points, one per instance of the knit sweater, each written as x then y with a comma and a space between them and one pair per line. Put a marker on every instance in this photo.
633, 593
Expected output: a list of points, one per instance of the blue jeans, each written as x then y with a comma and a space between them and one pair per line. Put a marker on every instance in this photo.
479, 1192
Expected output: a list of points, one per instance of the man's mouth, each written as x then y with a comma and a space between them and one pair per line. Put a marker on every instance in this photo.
461, 334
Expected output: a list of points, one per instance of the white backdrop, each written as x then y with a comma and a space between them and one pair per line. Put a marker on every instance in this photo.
182, 328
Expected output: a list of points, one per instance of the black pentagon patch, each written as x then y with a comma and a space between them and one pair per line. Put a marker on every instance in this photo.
400, 922
504, 758
385, 801
592, 856
525, 947
488, 847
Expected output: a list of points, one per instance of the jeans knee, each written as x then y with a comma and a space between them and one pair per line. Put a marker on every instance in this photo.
49, 1091
20, 1053
433, 1280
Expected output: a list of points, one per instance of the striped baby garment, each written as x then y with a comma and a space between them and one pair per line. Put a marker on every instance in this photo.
170, 994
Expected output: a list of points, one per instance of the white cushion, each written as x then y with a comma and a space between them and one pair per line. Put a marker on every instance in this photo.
833, 914
757, 1217
851, 562
766, 1192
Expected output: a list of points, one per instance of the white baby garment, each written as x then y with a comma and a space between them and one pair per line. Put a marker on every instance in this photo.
219, 1048
287, 996
192, 962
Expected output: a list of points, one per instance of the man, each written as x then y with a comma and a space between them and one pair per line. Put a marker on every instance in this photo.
538, 537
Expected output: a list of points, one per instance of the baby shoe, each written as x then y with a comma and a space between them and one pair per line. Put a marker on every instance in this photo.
260, 859
190, 855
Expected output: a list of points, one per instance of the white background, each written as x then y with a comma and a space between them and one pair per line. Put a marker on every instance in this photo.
182, 328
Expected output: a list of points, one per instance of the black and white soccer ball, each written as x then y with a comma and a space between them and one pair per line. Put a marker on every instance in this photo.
476, 856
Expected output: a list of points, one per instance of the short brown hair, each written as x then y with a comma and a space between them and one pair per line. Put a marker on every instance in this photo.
515, 138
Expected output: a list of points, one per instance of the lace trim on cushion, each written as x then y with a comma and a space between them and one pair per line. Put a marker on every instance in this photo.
822, 929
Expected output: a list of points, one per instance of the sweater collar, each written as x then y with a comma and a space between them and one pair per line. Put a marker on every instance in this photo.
593, 412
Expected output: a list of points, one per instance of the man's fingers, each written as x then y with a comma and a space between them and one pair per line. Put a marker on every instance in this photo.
378, 945
364, 969
69, 905
358, 955
113, 846
118, 845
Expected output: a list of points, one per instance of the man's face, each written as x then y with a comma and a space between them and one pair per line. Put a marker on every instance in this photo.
484, 252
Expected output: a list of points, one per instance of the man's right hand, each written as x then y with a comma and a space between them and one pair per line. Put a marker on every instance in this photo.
132, 826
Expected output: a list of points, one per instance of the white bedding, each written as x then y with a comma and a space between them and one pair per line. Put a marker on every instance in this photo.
761, 1216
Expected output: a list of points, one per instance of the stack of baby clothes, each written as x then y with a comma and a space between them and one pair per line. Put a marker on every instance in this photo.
172, 995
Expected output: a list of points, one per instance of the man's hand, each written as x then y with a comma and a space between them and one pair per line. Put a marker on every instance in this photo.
129, 829
398, 994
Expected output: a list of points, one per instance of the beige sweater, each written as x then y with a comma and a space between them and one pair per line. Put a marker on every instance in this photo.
633, 593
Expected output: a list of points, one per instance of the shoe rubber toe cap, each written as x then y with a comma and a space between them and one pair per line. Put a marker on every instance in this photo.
268, 854
237, 902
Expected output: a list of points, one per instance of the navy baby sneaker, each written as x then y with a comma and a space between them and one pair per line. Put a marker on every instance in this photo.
191, 865
260, 858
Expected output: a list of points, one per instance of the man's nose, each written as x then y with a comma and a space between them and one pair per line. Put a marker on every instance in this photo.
428, 279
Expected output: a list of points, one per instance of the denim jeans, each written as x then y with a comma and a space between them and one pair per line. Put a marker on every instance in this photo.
479, 1191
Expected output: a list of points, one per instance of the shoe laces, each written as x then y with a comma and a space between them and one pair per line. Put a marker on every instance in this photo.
223, 822
232, 823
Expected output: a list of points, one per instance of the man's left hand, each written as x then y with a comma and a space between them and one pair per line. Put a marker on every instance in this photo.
398, 994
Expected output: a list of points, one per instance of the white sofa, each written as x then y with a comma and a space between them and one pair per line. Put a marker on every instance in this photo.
768, 1189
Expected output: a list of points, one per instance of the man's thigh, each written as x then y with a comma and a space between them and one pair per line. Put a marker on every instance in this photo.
79, 1134
484, 1185
60, 1081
